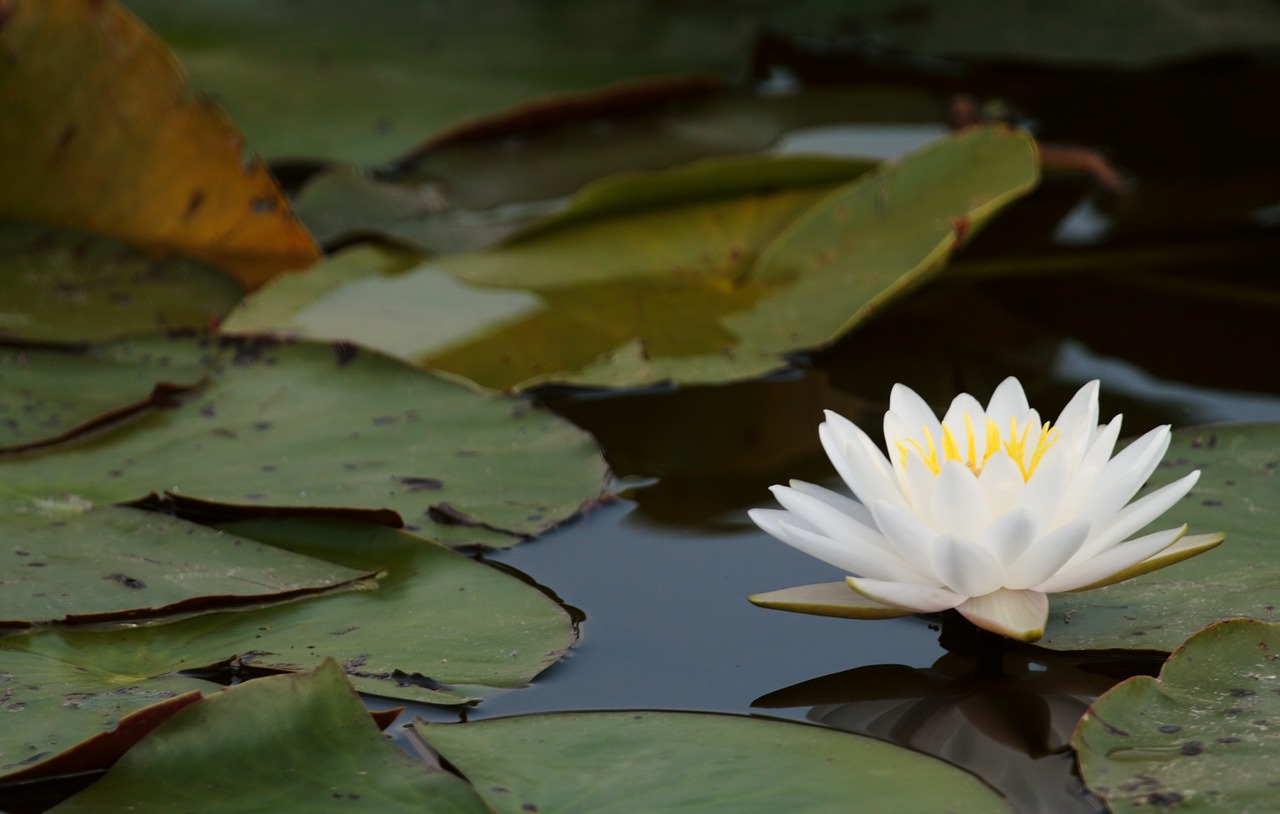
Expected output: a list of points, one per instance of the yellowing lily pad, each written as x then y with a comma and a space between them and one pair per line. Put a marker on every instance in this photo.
1238, 493
329, 429
231, 751
642, 762
101, 134
67, 287
1200, 737
708, 291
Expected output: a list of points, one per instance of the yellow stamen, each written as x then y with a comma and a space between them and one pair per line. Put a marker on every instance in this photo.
1014, 444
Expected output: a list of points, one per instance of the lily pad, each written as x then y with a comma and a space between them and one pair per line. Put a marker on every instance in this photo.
65, 286
1200, 737
644, 762
310, 728
441, 628
1238, 493
710, 291
332, 429
50, 396
63, 717
118, 565
366, 83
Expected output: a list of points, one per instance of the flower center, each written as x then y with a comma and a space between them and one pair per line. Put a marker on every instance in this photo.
974, 452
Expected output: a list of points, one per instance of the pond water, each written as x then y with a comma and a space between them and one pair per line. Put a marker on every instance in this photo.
660, 575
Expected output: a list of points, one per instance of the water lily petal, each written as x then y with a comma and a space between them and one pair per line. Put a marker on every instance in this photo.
827, 599
958, 505
1086, 473
1008, 536
909, 596
1041, 495
1046, 556
1188, 546
1112, 561
1124, 475
1009, 399
909, 536
1077, 424
1018, 615
842, 503
850, 556
1137, 515
1001, 482
859, 461
917, 491
965, 567
914, 411
962, 406
828, 520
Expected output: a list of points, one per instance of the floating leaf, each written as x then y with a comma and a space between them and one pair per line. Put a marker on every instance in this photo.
1238, 492
440, 628
118, 565
366, 83
705, 292
1200, 737
330, 429
65, 286
101, 135
309, 728
620, 762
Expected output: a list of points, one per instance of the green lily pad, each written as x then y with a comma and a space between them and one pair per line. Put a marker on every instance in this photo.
309, 728
366, 83
62, 717
708, 291
70, 566
328, 429
1200, 737
441, 628
48, 396
644, 762
1238, 493
66, 286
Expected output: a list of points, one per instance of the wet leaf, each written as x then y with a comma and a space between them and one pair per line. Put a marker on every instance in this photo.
1238, 491
71, 565
367, 83
708, 291
671, 761
66, 286
440, 628
335, 430
310, 728
104, 137
1200, 737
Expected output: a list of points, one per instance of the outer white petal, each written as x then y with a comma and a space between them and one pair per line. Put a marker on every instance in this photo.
917, 496
1008, 536
909, 536
1124, 475
859, 461
1042, 493
1018, 615
1138, 514
1009, 399
958, 505
843, 503
1114, 559
916, 598
1001, 481
828, 520
913, 410
1046, 556
850, 556
1087, 471
1078, 422
965, 567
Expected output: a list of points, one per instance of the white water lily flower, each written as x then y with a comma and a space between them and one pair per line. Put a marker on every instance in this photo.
986, 511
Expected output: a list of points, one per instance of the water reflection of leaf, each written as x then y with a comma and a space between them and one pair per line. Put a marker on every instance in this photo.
1011, 729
